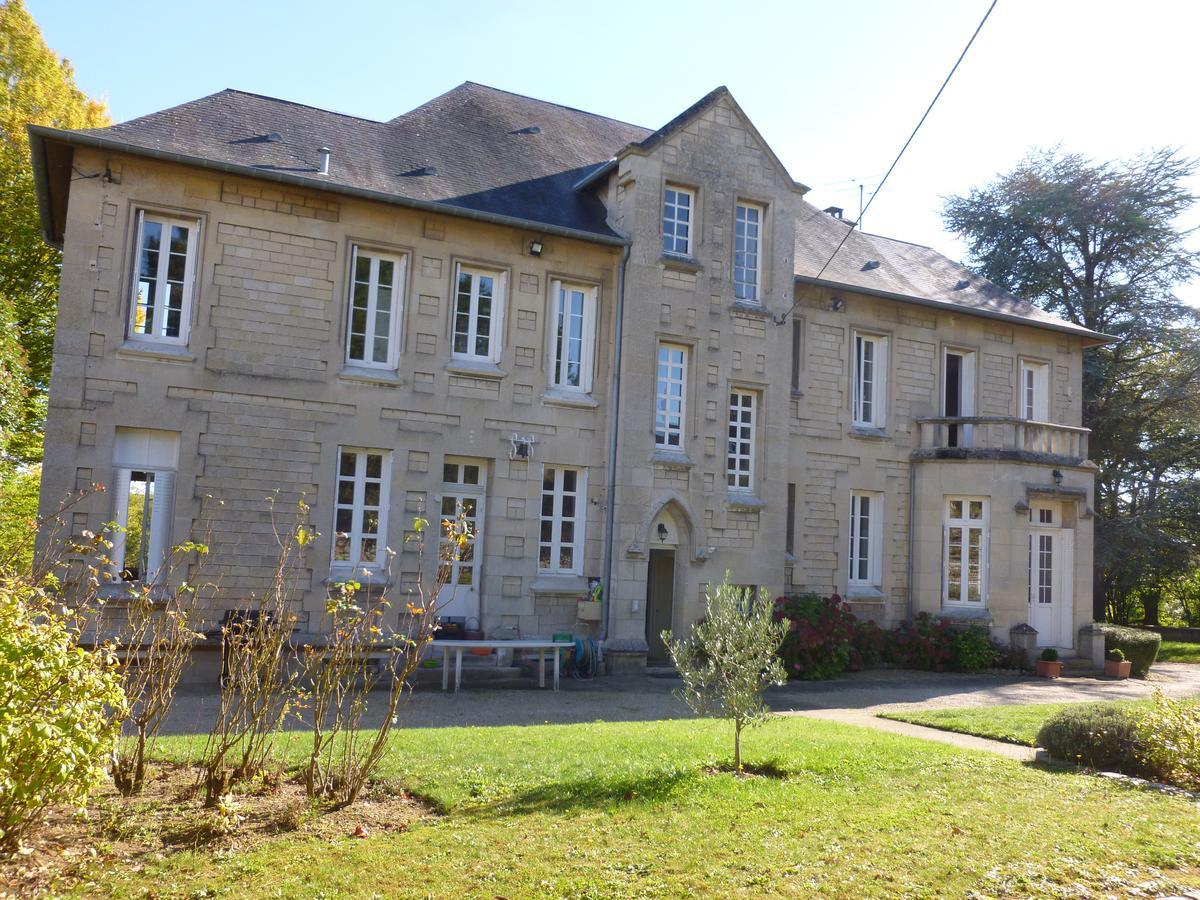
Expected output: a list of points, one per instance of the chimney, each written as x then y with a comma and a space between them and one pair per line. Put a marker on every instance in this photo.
323, 166
835, 211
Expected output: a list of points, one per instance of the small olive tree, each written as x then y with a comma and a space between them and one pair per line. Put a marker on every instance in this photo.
730, 657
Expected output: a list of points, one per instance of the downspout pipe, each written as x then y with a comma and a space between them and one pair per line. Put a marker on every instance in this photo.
912, 532
613, 434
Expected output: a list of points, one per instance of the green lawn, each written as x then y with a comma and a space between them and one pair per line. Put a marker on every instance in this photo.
1179, 651
1017, 724
631, 810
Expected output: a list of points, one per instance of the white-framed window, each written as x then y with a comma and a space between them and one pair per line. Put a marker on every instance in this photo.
144, 465
866, 525
375, 308
573, 336
739, 460
670, 404
964, 552
678, 218
160, 308
360, 508
560, 541
870, 380
1035, 384
478, 314
747, 252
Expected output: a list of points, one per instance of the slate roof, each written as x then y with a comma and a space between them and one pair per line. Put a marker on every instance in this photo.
905, 271
498, 155
493, 151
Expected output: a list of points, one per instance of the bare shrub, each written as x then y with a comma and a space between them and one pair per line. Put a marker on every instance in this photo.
340, 675
256, 691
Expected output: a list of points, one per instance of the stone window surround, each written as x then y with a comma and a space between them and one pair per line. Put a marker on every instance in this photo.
682, 187
876, 425
1033, 364
148, 344
873, 581
397, 332
965, 522
591, 330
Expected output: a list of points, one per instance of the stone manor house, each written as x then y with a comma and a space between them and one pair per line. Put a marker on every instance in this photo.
619, 350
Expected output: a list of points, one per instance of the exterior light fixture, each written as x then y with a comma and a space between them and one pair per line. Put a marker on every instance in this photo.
662, 532
535, 248
1058, 477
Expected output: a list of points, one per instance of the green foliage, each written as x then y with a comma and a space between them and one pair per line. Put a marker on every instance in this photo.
1116, 655
1099, 736
1049, 655
1140, 647
1179, 651
730, 658
972, 650
1169, 741
817, 644
39, 89
60, 708
1016, 723
1099, 245
18, 516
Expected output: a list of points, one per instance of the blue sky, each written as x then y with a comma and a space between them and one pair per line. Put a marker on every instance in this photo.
834, 87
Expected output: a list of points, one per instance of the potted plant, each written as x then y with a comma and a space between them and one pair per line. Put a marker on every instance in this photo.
1049, 665
1116, 665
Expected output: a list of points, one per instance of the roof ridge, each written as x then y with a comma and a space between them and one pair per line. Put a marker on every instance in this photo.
895, 240
573, 109
332, 112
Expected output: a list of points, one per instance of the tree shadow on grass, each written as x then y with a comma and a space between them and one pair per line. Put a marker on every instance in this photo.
588, 793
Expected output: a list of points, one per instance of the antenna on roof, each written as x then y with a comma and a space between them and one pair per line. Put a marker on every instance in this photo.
323, 166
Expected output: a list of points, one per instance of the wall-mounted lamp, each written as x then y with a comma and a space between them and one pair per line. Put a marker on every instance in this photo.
535, 248
662, 532
1058, 477
837, 304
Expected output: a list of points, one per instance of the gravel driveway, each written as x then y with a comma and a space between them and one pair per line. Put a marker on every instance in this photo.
642, 698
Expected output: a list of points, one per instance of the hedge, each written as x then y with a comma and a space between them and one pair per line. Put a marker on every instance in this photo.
1096, 735
1140, 647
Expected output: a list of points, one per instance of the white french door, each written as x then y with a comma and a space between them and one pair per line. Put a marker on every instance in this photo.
1050, 585
464, 489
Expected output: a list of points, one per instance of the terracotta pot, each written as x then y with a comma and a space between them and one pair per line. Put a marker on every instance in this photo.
1046, 668
1117, 668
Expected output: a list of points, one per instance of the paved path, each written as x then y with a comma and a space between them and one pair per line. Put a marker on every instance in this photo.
642, 698
866, 719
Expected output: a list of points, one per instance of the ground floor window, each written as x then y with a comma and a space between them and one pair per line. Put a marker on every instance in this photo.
866, 522
560, 541
360, 508
144, 465
964, 576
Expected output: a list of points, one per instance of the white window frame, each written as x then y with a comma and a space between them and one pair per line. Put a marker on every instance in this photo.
966, 523
865, 555
663, 396
556, 519
158, 304
1033, 395
672, 207
559, 291
358, 508
496, 329
869, 408
396, 316
155, 453
748, 291
742, 440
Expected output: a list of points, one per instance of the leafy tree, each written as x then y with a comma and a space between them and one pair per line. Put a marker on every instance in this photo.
18, 516
38, 88
730, 658
1099, 245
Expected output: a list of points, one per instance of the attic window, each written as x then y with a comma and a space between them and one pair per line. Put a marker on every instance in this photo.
870, 264
962, 285
532, 129
420, 170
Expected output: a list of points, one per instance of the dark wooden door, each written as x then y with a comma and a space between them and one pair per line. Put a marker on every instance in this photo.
660, 598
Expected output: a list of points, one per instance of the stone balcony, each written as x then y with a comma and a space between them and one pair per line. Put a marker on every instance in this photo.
1001, 437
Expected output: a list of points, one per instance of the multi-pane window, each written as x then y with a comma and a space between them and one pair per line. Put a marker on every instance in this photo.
478, 307
866, 519
163, 278
560, 542
573, 339
360, 508
1034, 385
375, 308
678, 205
965, 551
144, 464
870, 380
739, 460
670, 396
747, 246
463, 485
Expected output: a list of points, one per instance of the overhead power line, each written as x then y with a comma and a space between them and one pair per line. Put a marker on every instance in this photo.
978, 28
